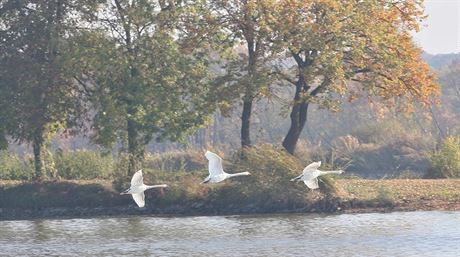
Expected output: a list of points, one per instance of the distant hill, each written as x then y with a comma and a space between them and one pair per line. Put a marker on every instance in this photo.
437, 61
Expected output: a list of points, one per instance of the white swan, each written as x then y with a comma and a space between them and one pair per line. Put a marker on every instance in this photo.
138, 187
216, 172
311, 173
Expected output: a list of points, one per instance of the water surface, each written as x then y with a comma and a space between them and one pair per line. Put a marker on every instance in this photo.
376, 234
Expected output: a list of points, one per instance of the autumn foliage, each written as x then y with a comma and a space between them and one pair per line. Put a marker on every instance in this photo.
334, 43
135, 73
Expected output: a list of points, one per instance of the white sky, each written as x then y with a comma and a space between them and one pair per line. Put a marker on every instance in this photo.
440, 32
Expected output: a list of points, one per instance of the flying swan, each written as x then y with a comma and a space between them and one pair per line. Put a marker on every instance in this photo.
216, 172
138, 187
311, 173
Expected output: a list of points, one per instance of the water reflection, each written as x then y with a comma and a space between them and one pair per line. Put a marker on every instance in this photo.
40, 232
393, 234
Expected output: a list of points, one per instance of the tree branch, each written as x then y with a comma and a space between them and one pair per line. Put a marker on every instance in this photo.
321, 87
88, 91
285, 77
297, 58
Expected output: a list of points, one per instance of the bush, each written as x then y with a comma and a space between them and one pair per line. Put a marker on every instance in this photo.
384, 197
267, 189
445, 163
12, 167
83, 165
385, 149
176, 161
271, 170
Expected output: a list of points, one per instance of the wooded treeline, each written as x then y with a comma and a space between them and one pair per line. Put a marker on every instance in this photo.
133, 72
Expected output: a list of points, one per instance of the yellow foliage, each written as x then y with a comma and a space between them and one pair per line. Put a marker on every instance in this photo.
366, 41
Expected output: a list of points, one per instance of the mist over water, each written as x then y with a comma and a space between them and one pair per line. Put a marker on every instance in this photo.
376, 234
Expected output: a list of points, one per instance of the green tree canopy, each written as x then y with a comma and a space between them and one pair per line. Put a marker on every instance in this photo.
38, 94
145, 83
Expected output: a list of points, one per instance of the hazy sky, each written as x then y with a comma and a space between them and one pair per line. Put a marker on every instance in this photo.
440, 33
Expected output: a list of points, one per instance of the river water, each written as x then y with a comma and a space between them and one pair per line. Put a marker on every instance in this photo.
376, 234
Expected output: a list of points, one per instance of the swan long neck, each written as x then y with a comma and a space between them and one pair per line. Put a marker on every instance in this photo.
239, 174
331, 172
155, 186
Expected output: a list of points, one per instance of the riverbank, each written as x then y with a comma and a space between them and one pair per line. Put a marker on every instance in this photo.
62, 199
402, 194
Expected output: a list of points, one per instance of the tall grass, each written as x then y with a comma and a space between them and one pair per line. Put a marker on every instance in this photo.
384, 149
60, 165
83, 165
13, 167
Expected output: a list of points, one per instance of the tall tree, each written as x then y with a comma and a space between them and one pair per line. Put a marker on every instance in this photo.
335, 42
38, 94
245, 22
144, 82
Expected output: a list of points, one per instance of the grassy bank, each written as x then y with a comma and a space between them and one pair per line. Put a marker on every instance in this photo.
97, 197
267, 190
403, 194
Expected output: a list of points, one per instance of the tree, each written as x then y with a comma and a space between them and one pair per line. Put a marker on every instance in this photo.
38, 95
335, 42
145, 84
246, 22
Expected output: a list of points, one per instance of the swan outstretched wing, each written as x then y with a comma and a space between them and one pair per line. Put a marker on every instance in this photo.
137, 179
215, 163
139, 198
312, 166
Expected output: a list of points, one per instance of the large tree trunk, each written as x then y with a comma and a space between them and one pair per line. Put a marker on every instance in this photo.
245, 122
298, 116
135, 147
135, 150
249, 95
38, 162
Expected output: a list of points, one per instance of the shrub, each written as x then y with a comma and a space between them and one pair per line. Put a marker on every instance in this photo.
268, 188
12, 167
384, 197
83, 165
176, 161
183, 187
385, 149
271, 170
445, 162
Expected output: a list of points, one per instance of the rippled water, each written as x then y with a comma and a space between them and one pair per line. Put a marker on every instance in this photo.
390, 234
